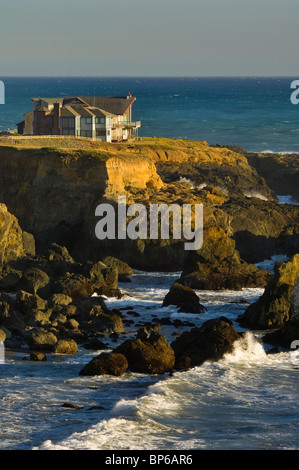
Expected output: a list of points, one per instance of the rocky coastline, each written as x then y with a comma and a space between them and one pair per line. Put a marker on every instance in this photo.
55, 274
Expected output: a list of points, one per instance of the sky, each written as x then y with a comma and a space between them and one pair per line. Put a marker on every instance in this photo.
148, 38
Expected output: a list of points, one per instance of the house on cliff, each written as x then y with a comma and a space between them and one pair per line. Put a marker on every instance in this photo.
98, 117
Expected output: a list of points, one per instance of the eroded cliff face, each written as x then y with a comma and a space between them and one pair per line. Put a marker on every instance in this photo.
54, 194
11, 237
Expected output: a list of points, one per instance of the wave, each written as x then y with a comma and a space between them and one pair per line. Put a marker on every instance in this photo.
185, 410
287, 199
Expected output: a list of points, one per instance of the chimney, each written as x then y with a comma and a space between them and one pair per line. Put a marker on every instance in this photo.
56, 119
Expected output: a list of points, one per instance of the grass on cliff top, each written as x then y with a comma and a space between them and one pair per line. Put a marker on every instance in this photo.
69, 143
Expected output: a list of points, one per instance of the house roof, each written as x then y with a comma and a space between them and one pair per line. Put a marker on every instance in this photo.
114, 105
110, 104
82, 111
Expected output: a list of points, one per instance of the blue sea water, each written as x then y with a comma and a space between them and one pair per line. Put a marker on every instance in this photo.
254, 113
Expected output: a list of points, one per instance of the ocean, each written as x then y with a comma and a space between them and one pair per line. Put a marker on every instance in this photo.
249, 399
254, 113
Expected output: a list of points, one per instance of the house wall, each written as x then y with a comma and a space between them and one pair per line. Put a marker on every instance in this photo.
87, 128
29, 123
42, 123
68, 125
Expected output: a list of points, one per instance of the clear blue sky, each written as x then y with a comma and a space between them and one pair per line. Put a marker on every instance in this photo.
149, 37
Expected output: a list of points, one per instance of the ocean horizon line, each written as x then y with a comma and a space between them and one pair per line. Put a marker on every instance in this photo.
156, 76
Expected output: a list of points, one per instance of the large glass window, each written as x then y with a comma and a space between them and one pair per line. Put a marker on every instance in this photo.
85, 133
68, 123
100, 120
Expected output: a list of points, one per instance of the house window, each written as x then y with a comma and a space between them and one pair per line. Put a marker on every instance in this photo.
68, 132
100, 120
85, 133
68, 123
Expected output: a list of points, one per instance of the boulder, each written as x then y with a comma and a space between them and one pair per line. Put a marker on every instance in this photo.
183, 297
107, 323
36, 281
290, 332
2, 335
60, 253
218, 265
122, 267
95, 344
65, 346
92, 314
73, 285
106, 364
26, 302
59, 300
102, 278
151, 356
37, 356
10, 278
29, 244
273, 308
11, 237
41, 340
208, 343
72, 324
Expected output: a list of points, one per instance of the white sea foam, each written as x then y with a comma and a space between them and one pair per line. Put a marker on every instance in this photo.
256, 194
287, 199
248, 348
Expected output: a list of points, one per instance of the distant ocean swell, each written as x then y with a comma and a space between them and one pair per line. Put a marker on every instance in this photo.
254, 113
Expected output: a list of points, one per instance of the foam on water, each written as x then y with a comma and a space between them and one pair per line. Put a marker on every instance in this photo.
246, 400
287, 199
229, 404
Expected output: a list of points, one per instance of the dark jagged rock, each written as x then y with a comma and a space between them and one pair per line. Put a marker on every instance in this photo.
208, 343
35, 281
37, 356
183, 297
95, 344
73, 285
106, 364
273, 308
150, 356
217, 265
289, 333
122, 267
41, 340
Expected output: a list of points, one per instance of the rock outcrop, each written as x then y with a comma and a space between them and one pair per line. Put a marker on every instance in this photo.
184, 298
106, 364
273, 308
218, 265
11, 237
152, 355
289, 333
208, 343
